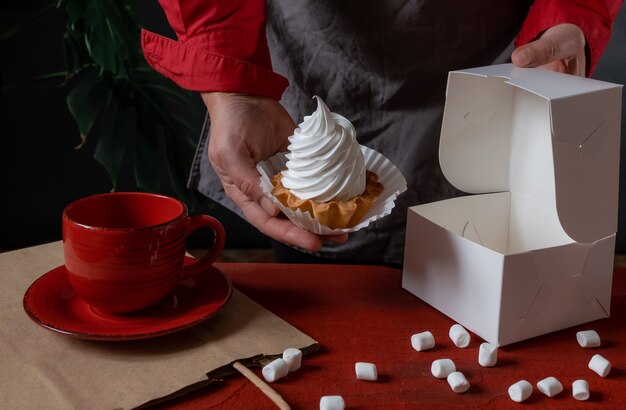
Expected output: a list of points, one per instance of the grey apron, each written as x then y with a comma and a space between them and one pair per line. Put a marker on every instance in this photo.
384, 66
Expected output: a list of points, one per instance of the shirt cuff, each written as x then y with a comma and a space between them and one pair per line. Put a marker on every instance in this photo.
198, 69
595, 22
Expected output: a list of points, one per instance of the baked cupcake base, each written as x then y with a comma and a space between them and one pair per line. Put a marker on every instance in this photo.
388, 175
333, 214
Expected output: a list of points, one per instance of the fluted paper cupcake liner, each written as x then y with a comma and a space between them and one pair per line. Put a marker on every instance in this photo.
388, 175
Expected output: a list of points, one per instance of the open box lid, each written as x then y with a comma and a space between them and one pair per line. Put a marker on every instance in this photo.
551, 136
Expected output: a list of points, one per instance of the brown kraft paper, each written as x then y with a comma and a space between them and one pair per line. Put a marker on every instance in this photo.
43, 369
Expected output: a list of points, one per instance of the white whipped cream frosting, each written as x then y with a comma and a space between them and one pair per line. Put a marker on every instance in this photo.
325, 161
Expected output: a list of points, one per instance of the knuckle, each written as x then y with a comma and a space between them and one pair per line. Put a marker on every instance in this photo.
214, 158
214, 152
576, 36
217, 153
247, 187
551, 51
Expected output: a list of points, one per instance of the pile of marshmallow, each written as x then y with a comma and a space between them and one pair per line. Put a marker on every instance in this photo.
291, 361
446, 369
488, 356
281, 367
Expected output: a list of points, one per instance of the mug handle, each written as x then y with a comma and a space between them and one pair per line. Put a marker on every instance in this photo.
205, 221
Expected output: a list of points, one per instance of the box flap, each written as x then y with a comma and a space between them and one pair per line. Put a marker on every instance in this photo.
554, 137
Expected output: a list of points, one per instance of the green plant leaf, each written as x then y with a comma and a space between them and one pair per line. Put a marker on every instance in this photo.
177, 118
179, 162
113, 136
178, 110
131, 111
107, 32
31, 81
85, 100
74, 53
148, 166
141, 115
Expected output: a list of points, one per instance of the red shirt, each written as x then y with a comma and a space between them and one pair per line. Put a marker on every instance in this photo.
222, 45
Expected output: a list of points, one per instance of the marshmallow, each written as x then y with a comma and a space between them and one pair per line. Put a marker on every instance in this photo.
459, 336
520, 391
458, 382
366, 371
441, 368
580, 390
332, 403
275, 370
600, 365
487, 355
423, 341
588, 338
550, 386
293, 357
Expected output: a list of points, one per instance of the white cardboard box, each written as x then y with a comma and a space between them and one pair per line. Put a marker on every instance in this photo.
532, 252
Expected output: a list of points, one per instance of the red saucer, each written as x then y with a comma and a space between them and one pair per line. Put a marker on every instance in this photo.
51, 302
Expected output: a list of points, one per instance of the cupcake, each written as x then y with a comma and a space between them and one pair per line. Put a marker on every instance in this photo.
327, 182
326, 173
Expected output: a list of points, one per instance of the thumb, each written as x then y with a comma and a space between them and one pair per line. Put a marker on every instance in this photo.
560, 42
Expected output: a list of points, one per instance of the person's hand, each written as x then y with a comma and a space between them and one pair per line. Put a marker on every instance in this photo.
245, 130
560, 48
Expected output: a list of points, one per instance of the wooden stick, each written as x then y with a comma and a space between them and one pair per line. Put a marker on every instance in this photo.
264, 387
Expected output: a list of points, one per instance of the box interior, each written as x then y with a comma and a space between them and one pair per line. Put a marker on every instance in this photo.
505, 222
499, 142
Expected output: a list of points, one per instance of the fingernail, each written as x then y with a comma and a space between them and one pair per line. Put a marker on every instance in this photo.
524, 58
337, 239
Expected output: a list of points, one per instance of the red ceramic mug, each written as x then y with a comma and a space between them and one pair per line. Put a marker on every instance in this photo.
125, 251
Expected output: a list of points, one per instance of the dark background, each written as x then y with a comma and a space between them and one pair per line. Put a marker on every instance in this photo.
41, 172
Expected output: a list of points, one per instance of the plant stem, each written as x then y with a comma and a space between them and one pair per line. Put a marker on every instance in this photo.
31, 81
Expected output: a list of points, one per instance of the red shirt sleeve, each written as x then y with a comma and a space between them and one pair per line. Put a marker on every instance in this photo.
221, 47
594, 17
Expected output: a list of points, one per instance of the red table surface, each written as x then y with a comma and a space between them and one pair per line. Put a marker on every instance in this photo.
361, 313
